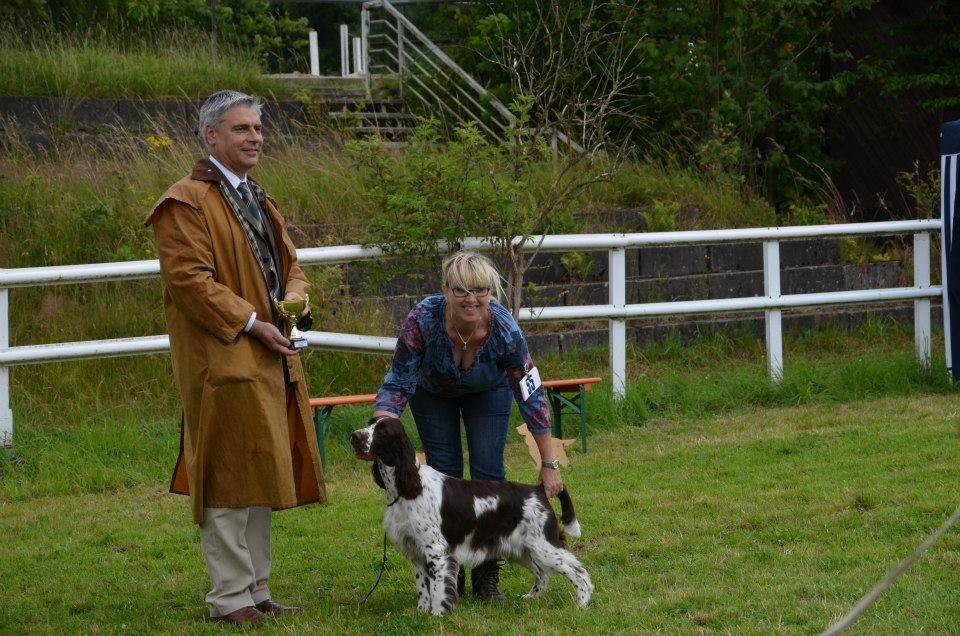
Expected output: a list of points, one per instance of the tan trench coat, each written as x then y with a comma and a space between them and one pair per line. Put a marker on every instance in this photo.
246, 438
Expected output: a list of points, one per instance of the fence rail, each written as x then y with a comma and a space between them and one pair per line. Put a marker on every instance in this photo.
617, 311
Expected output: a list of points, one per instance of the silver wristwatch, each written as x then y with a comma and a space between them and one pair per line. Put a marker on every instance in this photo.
555, 464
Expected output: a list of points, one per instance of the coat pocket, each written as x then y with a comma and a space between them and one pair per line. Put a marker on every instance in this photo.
231, 363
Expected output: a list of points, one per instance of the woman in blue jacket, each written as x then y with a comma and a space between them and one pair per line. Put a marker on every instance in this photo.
460, 355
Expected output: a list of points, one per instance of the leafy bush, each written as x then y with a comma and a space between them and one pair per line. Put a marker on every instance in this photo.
427, 200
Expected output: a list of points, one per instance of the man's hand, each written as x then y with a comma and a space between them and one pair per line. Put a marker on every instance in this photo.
271, 338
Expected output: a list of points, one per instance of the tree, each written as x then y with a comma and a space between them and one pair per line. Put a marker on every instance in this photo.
740, 88
561, 143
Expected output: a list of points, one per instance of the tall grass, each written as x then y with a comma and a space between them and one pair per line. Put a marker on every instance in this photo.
176, 64
677, 197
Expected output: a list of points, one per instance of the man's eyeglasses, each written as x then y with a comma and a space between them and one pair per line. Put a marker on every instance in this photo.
460, 292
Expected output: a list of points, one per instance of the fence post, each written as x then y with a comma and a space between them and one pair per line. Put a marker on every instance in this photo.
921, 307
357, 56
6, 415
365, 47
314, 53
617, 281
344, 51
773, 320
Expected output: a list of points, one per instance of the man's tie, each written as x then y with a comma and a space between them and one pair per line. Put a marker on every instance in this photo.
252, 209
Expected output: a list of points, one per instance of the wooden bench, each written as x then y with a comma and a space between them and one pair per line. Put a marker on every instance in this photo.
569, 394
556, 390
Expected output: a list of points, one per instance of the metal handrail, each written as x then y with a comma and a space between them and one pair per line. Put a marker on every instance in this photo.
129, 270
617, 311
407, 64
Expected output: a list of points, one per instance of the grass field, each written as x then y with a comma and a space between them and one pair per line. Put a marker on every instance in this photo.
774, 520
710, 500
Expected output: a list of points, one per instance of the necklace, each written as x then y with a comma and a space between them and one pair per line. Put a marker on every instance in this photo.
464, 341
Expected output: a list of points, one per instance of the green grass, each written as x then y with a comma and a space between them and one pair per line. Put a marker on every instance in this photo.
177, 65
676, 197
775, 520
711, 501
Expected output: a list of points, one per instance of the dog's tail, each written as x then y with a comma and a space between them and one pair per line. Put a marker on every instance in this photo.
567, 516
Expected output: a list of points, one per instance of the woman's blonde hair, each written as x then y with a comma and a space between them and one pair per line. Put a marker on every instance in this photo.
471, 270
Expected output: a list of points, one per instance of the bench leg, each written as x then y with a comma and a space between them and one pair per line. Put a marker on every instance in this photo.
557, 407
582, 407
321, 417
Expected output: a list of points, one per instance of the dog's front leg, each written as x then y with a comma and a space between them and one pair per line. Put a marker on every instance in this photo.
423, 585
442, 579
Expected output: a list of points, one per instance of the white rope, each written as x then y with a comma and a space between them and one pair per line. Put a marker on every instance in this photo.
888, 580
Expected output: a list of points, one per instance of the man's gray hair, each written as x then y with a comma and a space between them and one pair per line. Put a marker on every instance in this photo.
214, 110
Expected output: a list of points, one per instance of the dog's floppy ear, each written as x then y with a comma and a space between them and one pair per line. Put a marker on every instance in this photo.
409, 485
375, 469
392, 446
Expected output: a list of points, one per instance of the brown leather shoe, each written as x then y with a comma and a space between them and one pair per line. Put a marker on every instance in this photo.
244, 616
276, 609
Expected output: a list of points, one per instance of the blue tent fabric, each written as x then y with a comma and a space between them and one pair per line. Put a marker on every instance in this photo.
949, 152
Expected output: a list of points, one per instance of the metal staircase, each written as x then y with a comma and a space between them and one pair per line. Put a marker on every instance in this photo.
428, 81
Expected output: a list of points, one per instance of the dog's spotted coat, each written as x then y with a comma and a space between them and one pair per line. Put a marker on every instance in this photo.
440, 523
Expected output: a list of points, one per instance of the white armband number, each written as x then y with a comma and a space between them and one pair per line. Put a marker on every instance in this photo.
529, 383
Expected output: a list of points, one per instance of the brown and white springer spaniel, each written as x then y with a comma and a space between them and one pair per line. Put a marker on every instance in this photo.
440, 523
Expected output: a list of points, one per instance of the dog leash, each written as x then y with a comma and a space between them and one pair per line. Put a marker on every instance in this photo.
383, 562
383, 566
865, 602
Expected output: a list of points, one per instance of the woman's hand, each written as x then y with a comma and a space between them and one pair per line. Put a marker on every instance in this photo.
551, 481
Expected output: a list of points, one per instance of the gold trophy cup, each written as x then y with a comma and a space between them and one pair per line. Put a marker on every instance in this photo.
291, 310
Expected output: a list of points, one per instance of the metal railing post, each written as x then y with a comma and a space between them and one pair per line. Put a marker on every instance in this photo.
773, 323
618, 327
6, 415
344, 51
365, 46
921, 307
401, 63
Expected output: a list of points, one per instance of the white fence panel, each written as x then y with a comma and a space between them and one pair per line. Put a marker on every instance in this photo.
617, 311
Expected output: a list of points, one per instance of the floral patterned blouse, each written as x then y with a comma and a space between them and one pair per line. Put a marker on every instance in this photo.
424, 358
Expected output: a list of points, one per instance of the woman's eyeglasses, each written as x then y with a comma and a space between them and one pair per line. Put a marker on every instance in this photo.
460, 292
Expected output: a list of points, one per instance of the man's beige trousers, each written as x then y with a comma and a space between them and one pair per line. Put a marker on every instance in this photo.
236, 546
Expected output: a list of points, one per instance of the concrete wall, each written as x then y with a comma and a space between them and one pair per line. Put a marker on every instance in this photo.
671, 274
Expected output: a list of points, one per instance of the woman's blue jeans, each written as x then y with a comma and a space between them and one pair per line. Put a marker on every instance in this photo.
485, 417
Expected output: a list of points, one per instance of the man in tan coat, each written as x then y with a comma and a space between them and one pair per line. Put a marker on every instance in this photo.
247, 446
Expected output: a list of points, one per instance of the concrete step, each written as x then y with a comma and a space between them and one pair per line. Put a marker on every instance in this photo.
385, 130
376, 105
373, 116
327, 84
